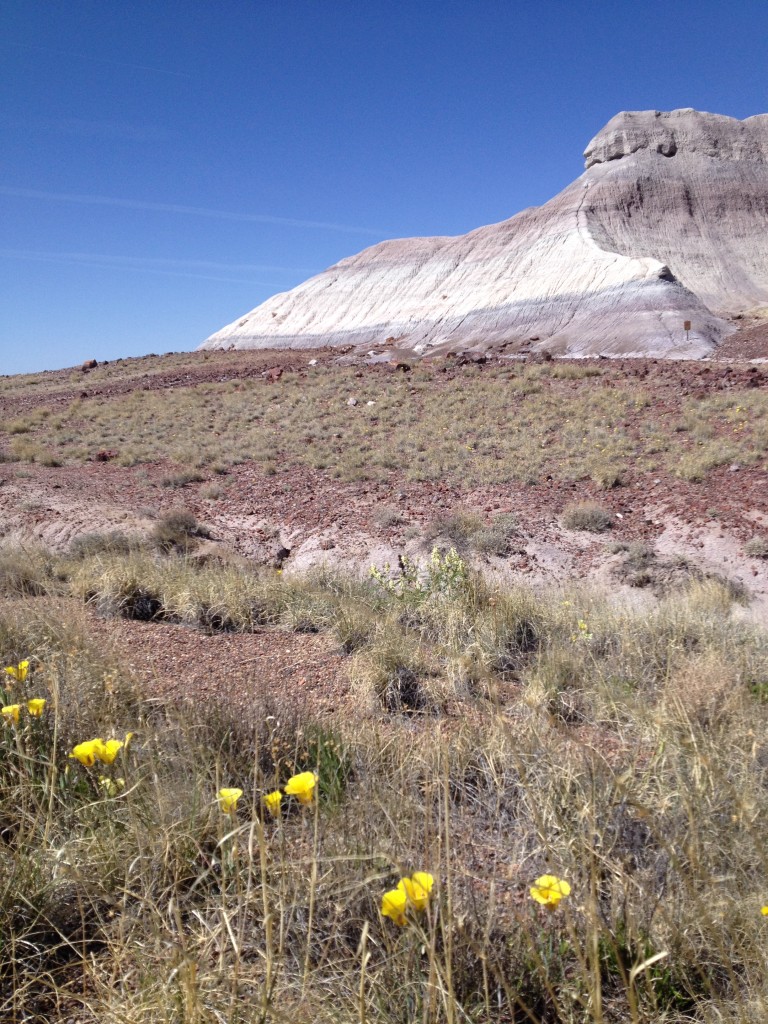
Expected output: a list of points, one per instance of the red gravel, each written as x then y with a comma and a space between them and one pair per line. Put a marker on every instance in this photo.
174, 662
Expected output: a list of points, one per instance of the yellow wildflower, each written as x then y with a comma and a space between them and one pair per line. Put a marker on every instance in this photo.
86, 752
393, 904
11, 713
228, 799
764, 911
18, 672
549, 890
107, 750
272, 802
410, 892
35, 706
302, 786
417, 889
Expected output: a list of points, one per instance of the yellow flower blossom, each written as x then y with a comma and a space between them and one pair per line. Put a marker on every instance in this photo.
107, 750
549, 890
764, 911
411, 892
302, 786
272, 802
86, 752
10, 713
228, 799
35, 706
393, 904
417, 889
18, 672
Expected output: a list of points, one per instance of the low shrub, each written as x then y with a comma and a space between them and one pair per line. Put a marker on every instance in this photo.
183, 479
27, 572
456, 527
587, 516
112, 542
387, 517
501, 538
757, 547
178, 530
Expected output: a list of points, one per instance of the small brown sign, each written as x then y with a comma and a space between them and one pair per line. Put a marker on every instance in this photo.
686, 325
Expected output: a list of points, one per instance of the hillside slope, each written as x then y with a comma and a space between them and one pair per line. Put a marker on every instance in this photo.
668, 223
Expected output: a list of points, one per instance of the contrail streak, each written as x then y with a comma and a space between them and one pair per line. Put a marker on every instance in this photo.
197, 211
148, 265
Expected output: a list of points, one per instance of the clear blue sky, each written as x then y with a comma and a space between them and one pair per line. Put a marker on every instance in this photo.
166, 166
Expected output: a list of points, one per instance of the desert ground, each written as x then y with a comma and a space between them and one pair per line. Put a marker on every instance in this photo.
558, 667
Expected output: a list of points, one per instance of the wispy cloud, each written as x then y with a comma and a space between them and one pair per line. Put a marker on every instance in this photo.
195, 211
98, 60
165, 267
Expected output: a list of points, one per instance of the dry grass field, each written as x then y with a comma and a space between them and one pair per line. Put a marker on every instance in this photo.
505, 423
482, 730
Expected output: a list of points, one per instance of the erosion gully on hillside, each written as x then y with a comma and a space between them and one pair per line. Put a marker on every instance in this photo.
289, 513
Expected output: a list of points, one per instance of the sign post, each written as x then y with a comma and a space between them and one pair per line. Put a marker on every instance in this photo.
686, 328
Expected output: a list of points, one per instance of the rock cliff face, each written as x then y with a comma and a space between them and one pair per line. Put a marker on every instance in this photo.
668, 223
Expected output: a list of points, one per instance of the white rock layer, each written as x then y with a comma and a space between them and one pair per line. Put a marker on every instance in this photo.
668, 223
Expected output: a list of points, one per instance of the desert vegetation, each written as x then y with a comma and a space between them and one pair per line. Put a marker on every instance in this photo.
505, 423
537, 806
520, 805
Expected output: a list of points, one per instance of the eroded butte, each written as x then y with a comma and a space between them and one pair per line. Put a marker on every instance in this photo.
667, 224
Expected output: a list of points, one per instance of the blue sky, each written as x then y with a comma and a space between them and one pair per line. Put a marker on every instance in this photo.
165, 167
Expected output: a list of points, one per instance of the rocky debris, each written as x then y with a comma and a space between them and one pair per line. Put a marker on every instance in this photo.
667, 226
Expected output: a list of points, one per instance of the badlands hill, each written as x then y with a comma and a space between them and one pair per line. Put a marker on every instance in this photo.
667, 224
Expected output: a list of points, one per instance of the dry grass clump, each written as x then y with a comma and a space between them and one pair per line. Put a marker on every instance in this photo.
467, 531
183, 479
756, 547
221, 597
110, 542
144, 586
500, 538
388, 516
458, 528
25, 572
587, 516
178, 530
632, 765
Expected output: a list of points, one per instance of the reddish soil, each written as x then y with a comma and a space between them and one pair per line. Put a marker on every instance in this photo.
175, 662
320, 518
